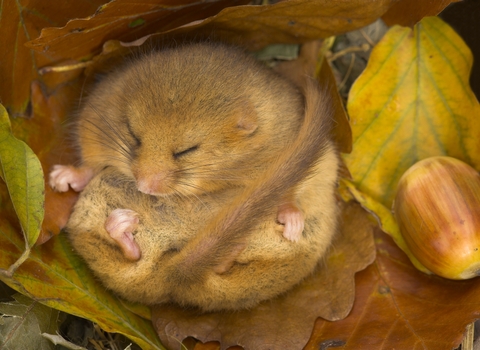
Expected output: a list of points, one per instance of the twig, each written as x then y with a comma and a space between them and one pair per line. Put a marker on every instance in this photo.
367, 38
467, 343
64, 68
332, 57
347, 74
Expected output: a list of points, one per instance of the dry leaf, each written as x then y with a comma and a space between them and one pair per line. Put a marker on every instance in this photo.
24, 321
407, 13
21, 21
284, 322
398, 307
122, 20
291, 21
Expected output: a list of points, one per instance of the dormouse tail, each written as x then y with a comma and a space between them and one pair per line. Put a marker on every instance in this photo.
220, 241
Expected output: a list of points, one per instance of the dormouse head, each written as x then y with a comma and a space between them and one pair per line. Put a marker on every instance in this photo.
190, 151
188, 120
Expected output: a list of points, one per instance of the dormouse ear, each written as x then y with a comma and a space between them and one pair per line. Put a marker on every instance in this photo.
247, 121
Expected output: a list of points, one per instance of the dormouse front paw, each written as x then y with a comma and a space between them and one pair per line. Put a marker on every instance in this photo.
292, 219
120, 225
63, 176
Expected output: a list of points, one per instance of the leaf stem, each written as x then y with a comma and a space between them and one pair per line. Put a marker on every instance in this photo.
11, 270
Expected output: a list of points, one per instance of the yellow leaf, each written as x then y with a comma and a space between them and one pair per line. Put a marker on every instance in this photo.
22, 172
413, 101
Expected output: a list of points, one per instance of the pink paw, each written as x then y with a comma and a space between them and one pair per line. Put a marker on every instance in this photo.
292, 219
120, 224
63, 176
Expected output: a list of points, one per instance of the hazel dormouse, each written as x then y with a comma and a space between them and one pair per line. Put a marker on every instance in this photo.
206, 179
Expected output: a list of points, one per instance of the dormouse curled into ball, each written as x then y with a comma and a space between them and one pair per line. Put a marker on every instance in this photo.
197, 151
221, 251
186, 121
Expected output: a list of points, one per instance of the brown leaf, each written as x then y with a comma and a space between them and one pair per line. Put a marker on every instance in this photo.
285, 322
22, 323
396, 306
122, 20
292, 21
408, 12
21, 21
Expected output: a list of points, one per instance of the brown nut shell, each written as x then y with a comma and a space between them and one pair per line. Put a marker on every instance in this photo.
437, 208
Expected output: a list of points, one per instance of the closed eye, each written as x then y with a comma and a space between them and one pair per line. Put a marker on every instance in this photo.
138, 141
177, 155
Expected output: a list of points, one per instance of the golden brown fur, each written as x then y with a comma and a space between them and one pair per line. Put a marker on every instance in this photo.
206, 95
216, 138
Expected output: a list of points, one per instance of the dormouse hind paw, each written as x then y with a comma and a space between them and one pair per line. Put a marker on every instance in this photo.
293, 221
63, 176
120, 225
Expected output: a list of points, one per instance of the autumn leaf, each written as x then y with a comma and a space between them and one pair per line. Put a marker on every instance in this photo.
254, 27
122, 20
21, 21
413, 101
408, 12
24, 321
398, 307
291, 21
22, 172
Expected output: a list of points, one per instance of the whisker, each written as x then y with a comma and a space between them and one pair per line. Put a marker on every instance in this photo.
103, 158
193, 193
109, 146
115, 130
100, 132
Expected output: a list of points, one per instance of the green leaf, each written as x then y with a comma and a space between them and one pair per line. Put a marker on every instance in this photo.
22, 172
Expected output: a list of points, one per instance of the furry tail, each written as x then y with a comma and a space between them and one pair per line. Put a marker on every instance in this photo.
217, 245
